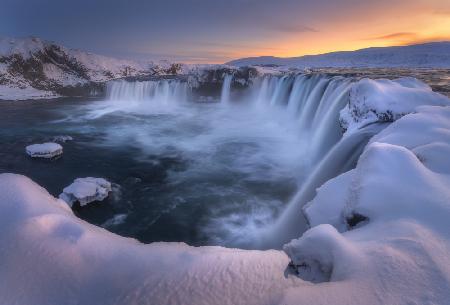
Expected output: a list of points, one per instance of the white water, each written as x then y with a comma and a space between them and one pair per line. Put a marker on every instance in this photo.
161, 93
226, 89
297, 114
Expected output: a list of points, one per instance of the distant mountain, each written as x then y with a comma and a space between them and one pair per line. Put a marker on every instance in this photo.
427, 55
35, 68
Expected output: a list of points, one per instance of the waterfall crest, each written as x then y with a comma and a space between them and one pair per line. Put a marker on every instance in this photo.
314, 102
162, 92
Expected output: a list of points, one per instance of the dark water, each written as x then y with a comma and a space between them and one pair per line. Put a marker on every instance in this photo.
198, 173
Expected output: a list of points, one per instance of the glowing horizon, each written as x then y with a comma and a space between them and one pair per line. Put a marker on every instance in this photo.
201, 31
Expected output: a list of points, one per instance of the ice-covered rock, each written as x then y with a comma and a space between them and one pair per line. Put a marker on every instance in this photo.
44, 150
86, 190
384, 100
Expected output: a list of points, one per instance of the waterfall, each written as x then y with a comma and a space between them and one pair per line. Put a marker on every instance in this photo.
341, 158
314, 102
161, 92
226, 88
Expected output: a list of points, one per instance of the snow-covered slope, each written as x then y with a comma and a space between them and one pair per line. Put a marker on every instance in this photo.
428, 55
31, 68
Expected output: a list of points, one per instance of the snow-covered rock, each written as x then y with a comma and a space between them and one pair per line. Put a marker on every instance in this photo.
86, 190
32, 68
384, 100
44, 150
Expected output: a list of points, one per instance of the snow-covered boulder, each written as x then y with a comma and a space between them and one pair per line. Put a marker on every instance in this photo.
384, 100
86, 190
44, 150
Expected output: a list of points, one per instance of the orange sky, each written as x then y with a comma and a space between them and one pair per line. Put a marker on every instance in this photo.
216, 31
390, 27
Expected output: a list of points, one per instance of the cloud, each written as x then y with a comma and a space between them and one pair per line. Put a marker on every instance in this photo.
399, 35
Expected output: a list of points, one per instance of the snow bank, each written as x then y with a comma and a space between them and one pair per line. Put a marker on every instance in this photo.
44, 150
384, 100
392, 211
86, 190
49, 256
10, 93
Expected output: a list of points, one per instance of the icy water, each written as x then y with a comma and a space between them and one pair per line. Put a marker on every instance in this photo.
198, 173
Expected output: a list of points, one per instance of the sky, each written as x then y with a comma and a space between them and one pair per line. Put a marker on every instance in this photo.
213, 31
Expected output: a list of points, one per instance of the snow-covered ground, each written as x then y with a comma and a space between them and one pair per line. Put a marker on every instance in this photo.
379, 235
27, 93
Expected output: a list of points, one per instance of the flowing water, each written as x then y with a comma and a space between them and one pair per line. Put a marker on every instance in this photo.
195, 172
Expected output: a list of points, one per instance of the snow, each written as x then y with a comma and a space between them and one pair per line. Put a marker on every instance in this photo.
427, 55
27, 93
26, 47
65, 78
399, 255
44, 150
49, 256
384, 100
86, 190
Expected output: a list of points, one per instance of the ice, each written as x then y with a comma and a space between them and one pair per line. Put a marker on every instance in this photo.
44, 150
86, 190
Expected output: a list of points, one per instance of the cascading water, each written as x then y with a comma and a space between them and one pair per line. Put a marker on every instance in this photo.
161, 92
290, 125
226, 89
314, 101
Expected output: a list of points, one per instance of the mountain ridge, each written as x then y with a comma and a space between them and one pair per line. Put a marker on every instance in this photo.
425, 55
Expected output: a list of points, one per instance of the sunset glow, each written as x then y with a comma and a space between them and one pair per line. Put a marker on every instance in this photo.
215, 32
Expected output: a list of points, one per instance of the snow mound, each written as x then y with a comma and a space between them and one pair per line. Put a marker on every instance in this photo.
86, 190
44, 150
384, 100
49, 256
392, 212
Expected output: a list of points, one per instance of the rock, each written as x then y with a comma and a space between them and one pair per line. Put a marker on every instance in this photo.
86, 190
45, 150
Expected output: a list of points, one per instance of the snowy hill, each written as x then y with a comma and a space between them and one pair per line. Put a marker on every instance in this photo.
34, 68
428, 55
